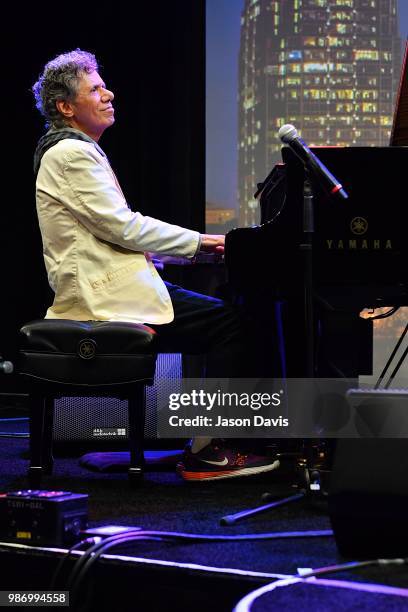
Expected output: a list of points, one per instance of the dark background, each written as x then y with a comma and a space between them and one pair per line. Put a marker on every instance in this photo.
152, 56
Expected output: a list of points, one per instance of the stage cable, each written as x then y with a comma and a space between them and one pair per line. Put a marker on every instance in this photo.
309, 577
88, 559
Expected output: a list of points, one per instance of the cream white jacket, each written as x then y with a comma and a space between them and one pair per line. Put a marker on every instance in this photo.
94, 245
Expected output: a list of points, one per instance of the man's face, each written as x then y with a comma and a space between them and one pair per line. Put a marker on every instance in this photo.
92, 111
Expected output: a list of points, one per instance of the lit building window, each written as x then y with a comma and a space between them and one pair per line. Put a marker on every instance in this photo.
342, 16
369, 107
309, 41
347, 68
314, 67
369, 95
366, 54
335, 41
344, 94
249, 103
344, 108
315, 94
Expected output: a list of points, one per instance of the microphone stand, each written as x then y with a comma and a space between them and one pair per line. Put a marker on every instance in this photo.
307, 248
309, 482
310, 479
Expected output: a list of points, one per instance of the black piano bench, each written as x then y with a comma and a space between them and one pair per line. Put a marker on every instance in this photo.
60, 357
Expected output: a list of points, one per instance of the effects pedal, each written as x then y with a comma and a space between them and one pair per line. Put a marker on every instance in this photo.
43, 518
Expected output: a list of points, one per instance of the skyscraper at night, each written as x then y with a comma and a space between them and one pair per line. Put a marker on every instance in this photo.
330, 67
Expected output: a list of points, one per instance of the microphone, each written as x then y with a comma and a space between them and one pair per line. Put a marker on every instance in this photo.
288, 135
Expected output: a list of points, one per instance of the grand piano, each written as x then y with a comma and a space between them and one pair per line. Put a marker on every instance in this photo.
357, 256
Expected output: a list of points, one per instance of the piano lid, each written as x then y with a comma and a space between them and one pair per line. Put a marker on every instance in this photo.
399, 132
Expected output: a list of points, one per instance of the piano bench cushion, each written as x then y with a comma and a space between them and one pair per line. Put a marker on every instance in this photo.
89, 353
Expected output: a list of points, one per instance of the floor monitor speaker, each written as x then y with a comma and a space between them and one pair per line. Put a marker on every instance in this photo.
368, 496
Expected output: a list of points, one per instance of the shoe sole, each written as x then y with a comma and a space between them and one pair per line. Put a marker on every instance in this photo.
197, 476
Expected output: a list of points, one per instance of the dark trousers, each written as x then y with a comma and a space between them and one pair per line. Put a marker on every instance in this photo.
223, 332
207, 325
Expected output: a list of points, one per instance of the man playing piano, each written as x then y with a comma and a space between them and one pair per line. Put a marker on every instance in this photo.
96, 249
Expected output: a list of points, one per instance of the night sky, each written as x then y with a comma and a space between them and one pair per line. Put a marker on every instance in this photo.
223, 26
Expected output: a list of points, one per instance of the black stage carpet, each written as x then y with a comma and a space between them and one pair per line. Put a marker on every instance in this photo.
164, 503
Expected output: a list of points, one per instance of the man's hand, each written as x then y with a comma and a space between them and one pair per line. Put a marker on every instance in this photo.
212, 243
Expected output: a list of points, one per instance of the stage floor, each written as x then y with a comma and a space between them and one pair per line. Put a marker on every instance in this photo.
198, 575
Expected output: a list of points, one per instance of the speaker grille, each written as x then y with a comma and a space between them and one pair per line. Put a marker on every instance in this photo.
97, 418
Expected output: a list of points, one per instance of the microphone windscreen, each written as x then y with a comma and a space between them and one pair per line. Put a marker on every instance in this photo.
287, 132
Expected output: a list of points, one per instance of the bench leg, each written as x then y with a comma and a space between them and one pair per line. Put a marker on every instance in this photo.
41, 423
136, 415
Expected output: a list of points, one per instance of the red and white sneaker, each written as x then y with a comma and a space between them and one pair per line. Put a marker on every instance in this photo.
216, 461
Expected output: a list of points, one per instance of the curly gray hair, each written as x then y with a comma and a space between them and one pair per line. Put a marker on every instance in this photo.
59, 81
